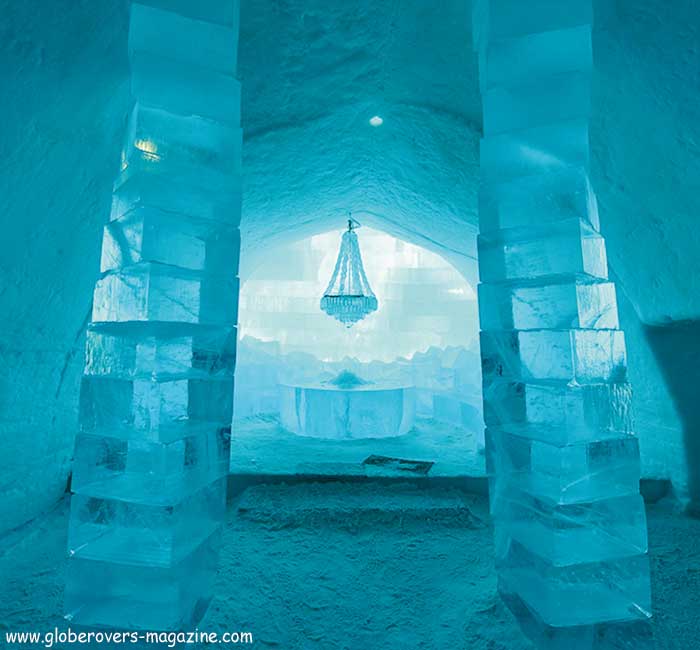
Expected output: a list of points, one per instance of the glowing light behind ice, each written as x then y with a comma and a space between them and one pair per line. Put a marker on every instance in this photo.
424, 301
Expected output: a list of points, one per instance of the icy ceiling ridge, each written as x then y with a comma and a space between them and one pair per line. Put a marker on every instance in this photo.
307, 66
415, 177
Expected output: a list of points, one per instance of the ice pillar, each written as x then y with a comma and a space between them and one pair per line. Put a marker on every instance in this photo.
570, 523
151, 456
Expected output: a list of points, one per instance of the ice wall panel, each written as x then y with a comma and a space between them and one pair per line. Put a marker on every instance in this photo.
185, 89
567, 248
539, 150
570, 524
151, 235
194, 149
575, 356
160, 351
516, 60
582, 472
579, 594
499, 19
218, 12
198, 39
560, 414
157, 394
147, 597
559, 98
156, 292
571, 534
193, 200
152, 534
135, 469
556, 305
347, 414
154, 410
535, 200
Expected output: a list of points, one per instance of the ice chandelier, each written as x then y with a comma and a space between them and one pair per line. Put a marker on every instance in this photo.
348, 297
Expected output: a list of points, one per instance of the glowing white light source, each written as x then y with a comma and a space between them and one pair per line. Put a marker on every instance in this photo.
376, 121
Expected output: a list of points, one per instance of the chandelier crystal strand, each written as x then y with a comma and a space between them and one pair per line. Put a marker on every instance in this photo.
348, 297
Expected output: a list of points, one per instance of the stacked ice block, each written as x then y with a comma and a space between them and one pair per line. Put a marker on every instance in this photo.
152, 453
570, 523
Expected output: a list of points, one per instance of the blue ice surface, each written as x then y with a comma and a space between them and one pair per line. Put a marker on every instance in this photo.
570, 525
151, 458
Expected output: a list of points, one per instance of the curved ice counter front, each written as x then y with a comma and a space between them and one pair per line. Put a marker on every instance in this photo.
347, 410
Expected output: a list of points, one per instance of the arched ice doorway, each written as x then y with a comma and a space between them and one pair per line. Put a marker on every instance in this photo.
422, 345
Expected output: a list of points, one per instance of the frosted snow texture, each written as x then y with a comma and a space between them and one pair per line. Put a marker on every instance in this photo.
151, 457
569, 522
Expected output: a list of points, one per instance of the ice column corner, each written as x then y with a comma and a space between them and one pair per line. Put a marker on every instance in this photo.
152, 452
564, 463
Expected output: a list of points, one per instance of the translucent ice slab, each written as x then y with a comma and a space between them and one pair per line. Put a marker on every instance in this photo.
560, 305
535, 200
617, 635
150, 235
220, 12
156, 292
323, 411
453, 410
569, 534
142, 190
582, 472
499, 19
155, 534
173, 35
133, 596
577, 356
186, 149
559, 414
185, 89
143, 471
579, 594
160, 351
559, 98
154, 410
518, 60
564, 248
538, 150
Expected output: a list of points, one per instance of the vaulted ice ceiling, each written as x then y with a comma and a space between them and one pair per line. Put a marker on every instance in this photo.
314, 72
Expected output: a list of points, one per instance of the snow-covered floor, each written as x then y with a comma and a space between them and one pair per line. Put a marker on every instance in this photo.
260, 445
363, 565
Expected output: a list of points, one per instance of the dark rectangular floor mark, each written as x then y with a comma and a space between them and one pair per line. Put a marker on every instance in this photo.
397, 465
